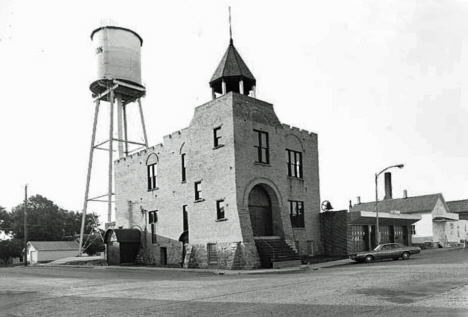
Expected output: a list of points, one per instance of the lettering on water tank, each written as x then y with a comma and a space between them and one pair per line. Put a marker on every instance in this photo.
99, 50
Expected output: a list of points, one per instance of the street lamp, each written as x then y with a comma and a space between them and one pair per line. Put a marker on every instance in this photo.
377, 229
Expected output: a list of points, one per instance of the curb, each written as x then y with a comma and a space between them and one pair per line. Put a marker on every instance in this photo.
182, 270
302, 268
429, 251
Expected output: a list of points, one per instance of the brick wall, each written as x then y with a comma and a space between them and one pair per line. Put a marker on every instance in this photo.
226, 172
335, 232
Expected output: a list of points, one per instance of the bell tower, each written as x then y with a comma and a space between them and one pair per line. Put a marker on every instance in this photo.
232, 74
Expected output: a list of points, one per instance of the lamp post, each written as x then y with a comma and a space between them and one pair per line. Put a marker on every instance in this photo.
377, 228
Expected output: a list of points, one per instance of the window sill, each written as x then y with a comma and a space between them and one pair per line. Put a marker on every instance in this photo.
262, 164
218, 146
153, 189
199, 200
296, 178
301, 228
222, 219
183, 182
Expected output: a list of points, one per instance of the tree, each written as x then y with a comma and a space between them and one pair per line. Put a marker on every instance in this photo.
5, 220
48, 222
10, 249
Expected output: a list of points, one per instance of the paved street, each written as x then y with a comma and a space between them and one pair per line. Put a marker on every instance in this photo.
429, 284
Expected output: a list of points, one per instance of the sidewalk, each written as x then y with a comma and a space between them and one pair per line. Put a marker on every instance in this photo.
90, 263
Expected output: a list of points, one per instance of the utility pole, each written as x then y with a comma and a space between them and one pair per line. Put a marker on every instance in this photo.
26, 225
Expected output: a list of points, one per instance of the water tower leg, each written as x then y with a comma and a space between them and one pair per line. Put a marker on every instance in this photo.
88, 177
125, 128
119, 123
143, 122
111, 150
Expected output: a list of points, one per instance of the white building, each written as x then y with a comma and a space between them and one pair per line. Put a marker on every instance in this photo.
47, 251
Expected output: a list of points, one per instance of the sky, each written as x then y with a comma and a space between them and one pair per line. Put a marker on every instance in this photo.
380, 82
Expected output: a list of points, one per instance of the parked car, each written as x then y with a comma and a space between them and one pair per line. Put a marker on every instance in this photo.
386, 251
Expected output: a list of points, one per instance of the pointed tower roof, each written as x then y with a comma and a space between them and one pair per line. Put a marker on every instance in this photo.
232, 67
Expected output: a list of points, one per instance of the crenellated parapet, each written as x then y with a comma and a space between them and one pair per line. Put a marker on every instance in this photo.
299, 131
171, 143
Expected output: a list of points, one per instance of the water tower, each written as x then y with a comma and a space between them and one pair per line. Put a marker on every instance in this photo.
118, 83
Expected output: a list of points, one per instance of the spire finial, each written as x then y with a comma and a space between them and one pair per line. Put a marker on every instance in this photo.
230, 28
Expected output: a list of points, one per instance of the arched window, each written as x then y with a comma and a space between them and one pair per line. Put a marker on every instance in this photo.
152, 171
294, 152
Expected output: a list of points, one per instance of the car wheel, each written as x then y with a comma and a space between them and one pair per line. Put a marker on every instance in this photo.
405, 256
369, 259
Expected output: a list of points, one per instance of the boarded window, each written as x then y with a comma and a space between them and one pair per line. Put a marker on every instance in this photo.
163, 255
310, 248
212, 254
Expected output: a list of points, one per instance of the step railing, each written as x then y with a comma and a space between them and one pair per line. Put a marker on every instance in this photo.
272, 249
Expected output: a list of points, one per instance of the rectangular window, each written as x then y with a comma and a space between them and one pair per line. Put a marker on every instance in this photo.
185, 217
220, 209
198, 191
212, 254
152, 176
413, 229
217, 136
261, 144
152, 219
184, 168
294, 163
296, 209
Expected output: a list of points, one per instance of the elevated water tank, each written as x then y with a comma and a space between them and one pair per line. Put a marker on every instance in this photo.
118, 54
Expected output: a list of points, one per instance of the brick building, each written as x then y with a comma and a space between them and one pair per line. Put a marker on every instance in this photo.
236, 189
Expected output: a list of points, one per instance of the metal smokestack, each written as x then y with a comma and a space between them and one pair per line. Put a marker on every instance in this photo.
388, 185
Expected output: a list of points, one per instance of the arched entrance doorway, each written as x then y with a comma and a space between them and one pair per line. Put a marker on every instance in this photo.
260, 212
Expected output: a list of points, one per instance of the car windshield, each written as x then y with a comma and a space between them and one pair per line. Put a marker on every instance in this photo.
379, 247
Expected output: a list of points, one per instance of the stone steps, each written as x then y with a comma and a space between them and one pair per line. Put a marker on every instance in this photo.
276, 253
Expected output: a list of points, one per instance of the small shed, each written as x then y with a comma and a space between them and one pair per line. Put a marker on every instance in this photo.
47, 251
122, 245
